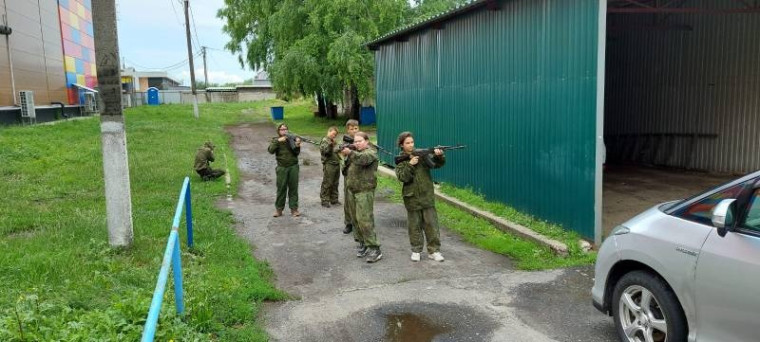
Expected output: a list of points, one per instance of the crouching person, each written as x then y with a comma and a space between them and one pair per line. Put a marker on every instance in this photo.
203, 158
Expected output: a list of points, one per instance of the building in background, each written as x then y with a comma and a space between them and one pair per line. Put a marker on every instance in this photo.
50, 52
139, 81
261, 80
536, 89
78, 47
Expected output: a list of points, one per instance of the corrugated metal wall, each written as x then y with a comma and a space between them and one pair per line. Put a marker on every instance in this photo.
684, 98
518, 86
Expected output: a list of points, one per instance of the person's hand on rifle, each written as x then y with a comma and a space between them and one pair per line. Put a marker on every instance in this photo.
413, 160
282, 138
346, 151
298, 142
438, 152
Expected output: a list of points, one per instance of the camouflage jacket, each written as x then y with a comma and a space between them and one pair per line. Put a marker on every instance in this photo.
203, 157
418, 189
284, 155
361, 174
328, 149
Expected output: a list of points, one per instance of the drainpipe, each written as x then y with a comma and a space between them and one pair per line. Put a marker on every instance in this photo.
63, 109
10, 56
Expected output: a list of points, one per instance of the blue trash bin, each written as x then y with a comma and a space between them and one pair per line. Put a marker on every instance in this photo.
277, 113
367, 115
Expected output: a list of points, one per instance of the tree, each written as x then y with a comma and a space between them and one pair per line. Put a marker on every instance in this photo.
317, 46
422, 10
202, 85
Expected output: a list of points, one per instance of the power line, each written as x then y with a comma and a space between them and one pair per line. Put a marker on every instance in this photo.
168, 67
195, 30
176, 16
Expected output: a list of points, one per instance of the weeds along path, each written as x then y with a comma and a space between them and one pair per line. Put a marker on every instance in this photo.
339, 297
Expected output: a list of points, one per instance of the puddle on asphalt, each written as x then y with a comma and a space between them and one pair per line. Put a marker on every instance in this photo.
411, 328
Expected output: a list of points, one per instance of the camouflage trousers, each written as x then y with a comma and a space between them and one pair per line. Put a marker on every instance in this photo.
209, 174
364, 229
348, 206
287, 184
423, 226
330, 179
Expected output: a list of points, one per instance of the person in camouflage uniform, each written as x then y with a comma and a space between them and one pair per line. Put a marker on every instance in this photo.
362, 182
287, 170
352, 126
419, 199
328, 148
203, 158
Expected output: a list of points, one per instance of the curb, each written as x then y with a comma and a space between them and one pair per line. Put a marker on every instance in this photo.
504, 225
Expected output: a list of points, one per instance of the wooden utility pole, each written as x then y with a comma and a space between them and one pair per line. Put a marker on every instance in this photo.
113, 135
190, 58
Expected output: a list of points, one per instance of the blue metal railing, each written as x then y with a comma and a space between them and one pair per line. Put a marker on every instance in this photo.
171, 257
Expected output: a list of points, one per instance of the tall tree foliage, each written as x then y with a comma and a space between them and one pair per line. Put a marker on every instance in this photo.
316, 47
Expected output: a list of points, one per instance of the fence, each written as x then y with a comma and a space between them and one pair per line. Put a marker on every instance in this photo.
171, 257
186, 97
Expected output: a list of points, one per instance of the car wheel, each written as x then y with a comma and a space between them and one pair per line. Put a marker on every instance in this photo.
645, 309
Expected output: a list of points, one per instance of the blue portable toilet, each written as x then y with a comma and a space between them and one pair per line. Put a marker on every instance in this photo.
277, 113
367, 115
153, 96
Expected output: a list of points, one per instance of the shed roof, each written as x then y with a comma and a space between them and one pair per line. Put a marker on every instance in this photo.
433, 21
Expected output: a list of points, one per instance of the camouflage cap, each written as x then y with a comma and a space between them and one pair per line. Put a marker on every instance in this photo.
209, 144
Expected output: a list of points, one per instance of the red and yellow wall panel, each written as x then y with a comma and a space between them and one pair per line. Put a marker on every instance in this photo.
78, 45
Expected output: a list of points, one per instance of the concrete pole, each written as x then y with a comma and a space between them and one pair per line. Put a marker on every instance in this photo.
205, 69
113, 135
190, 58
205, 74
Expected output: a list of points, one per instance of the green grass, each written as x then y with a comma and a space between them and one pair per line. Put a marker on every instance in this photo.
299, 116
61, 280
527, 255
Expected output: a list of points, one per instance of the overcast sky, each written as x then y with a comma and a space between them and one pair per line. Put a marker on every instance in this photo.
152, 37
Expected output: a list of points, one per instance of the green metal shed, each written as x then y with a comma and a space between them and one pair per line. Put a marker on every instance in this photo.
517, 81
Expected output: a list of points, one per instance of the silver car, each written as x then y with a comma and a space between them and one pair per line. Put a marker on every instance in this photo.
686, 270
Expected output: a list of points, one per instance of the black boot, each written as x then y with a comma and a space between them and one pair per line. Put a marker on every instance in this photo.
349, 228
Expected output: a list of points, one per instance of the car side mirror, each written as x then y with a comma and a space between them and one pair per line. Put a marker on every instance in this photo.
722, 216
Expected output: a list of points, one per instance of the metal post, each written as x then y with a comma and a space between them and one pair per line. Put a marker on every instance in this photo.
189, 215
177, 268
158, 294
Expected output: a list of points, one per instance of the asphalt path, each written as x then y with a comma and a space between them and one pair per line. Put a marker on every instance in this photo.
474, 295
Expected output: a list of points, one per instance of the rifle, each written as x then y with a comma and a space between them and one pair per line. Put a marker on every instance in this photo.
349, 142
426, 154
292, 140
